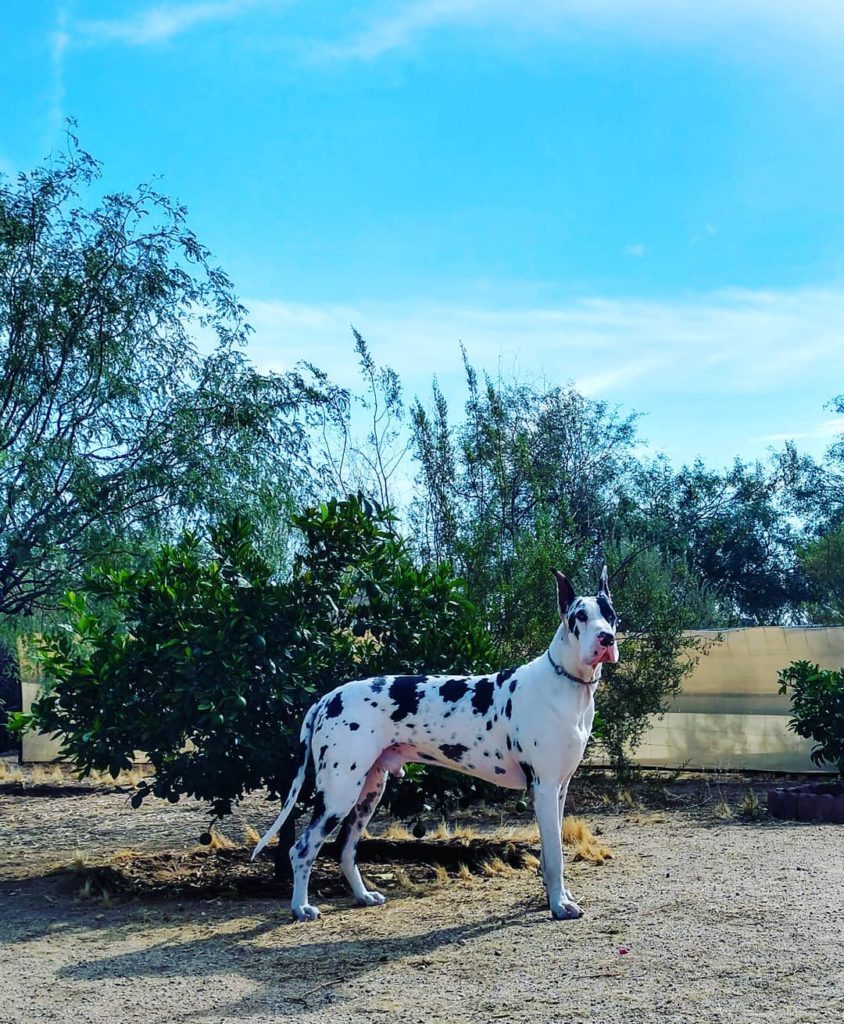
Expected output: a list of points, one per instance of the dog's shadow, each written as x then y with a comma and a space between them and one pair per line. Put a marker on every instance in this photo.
302, 975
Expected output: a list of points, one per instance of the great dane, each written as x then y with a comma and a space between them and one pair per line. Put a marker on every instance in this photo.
524, 727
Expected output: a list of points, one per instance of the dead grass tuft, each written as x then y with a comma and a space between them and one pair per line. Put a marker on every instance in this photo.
463, 872
405, 882
442, 831
220, 842
251, 836
722, 810
440, 875
585, 845
396, 831
530, 862
495, 866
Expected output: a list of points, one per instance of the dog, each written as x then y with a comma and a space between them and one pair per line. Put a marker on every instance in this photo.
524, 727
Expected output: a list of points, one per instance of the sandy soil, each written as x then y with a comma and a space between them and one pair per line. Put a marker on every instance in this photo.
697, 918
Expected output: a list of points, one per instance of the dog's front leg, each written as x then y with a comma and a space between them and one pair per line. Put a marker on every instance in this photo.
546, 804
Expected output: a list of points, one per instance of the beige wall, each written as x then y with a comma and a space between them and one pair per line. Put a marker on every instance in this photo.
729, 714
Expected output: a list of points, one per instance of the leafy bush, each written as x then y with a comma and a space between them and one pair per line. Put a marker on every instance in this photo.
817, 709
207, 663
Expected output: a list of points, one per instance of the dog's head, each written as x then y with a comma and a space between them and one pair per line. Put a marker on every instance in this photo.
589, 624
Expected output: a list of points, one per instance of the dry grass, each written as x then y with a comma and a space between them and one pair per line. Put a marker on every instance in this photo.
405, 882
530, 862
722, 810
463, 872
220, 842
251, 836
750, 807
583, 842
395, 831
496, 866
440, 875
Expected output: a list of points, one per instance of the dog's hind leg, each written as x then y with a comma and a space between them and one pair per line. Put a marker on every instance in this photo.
353, 826
329, 810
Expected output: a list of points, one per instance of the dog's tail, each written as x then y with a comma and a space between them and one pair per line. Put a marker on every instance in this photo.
305, 737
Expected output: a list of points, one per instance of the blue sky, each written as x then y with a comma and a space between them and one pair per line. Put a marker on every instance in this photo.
642, 196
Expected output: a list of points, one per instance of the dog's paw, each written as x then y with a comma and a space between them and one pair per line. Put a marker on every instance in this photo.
567, 911
304, 913
371, 899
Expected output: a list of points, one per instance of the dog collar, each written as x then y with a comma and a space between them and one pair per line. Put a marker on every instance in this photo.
562, 672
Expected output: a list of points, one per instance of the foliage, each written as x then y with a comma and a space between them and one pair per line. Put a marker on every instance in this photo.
532, 480
113, 426
822, 560
817, 709
207, 662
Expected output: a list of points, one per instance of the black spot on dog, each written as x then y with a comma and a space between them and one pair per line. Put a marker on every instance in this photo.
508, 708
499, 770
453, 689
518, 746
426, 757
322, 751
354, 726
482, 697
353, 766
576, 631
488, 726
335, 764
607, 610
529, 776
572, 623
331, 822
505, 673
334, 707
343, 837
513, 684
453, 751
509, 744
378, 684
405, 694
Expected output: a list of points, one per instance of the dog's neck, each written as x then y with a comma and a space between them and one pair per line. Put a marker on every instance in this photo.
566, 663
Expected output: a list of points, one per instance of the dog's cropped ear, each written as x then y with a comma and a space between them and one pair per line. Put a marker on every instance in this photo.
604, 584
565, 593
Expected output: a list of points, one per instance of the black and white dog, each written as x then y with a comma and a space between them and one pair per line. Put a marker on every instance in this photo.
524, 727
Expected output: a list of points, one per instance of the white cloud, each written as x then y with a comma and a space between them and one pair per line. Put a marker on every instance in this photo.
824, 430
638, 250
162, 23
744, 23
728, 343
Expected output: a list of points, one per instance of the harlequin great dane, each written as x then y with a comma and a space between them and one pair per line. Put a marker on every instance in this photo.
524, 727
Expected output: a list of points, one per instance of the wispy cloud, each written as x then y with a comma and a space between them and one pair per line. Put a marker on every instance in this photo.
824, 430
728, 343
162, 23
59, 40
636, 250
396, 26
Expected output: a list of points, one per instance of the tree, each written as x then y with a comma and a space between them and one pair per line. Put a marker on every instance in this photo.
207, 661
533, 480
113, 425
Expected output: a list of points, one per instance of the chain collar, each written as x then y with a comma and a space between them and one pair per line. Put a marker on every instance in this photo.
563, 672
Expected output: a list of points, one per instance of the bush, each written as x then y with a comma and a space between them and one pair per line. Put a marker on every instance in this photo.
207, 663
817, 709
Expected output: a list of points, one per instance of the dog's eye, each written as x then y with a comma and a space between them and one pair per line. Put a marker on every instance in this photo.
581, 616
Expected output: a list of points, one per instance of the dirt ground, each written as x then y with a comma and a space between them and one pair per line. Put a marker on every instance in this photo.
702, 915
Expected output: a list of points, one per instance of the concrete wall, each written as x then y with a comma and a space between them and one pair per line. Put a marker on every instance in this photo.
729, 714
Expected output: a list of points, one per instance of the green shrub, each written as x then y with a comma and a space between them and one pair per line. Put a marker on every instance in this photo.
207, 663
817, 709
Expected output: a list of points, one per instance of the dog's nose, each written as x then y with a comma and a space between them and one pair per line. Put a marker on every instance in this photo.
606, 639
